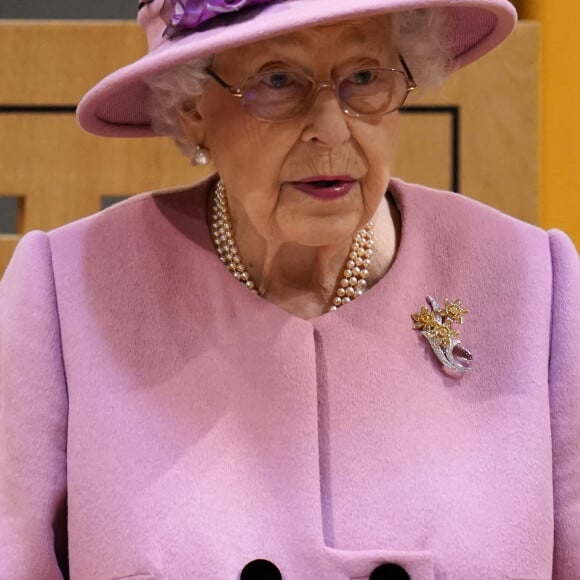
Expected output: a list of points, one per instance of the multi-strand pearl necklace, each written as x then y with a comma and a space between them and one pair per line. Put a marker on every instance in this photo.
354, 277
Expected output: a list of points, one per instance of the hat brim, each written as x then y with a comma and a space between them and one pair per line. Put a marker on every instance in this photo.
117, 105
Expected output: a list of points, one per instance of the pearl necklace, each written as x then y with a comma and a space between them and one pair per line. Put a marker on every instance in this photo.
354, 277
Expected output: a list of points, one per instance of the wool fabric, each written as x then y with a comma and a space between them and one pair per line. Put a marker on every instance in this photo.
160, 421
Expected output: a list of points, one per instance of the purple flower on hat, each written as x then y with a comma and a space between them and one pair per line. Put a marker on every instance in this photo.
189, 14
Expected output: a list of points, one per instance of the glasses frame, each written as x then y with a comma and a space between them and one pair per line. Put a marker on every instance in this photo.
240, 92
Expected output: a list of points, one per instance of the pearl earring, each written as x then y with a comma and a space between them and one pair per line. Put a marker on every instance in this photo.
201, 156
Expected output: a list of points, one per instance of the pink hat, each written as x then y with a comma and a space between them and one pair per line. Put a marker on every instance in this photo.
181, 30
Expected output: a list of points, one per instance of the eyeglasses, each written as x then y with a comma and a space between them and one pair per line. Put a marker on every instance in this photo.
282, 95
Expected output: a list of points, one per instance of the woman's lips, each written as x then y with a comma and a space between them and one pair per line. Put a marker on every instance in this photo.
325, 187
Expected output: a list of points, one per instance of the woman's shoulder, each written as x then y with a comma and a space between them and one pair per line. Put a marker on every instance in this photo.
455, 213
446, 227
151, 210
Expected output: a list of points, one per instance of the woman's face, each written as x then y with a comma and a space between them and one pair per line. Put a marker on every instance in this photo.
264, 164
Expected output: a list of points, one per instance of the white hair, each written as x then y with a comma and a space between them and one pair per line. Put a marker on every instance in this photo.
418, 35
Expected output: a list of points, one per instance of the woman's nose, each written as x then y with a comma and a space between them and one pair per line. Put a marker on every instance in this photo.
326, 122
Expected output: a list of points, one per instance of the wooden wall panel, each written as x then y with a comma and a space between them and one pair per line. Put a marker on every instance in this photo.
66, 172
560, 135
478, 133
7, 246
428, 134
498, 104
55, 62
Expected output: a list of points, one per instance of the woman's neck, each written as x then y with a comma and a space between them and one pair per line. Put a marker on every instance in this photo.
303, 280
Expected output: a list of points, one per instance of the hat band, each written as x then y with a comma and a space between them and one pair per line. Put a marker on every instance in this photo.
185, 16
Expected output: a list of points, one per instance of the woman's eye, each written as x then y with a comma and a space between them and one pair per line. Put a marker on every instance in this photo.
362, 77
277, 80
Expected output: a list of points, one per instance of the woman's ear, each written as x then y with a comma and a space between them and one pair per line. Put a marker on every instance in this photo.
191, 122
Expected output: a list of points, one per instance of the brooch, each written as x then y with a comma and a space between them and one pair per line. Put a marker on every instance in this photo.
436, 325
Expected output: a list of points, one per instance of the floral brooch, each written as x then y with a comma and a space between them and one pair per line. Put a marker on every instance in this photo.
436, 325
185, 16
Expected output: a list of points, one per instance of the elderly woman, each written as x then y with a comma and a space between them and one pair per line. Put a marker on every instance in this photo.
325, 418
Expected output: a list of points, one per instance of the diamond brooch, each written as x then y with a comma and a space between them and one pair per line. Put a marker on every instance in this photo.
436, 325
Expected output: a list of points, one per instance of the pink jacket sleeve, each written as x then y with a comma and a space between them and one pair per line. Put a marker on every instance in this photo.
565, 405
33, 418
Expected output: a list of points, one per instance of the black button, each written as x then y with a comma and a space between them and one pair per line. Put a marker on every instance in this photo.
260, 570
389, 572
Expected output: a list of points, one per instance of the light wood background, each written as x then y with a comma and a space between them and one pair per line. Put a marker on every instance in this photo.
560, 130
59, 173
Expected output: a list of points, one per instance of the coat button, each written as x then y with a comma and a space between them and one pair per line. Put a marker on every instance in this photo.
389, 572
260, 570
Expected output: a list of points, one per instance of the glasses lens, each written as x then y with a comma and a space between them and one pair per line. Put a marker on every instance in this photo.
373, 91
277, 95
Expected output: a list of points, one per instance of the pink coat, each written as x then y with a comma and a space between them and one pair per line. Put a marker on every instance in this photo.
180, 427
